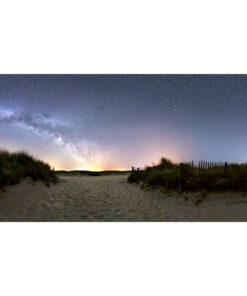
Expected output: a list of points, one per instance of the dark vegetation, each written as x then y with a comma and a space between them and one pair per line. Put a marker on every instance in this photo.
91, 173
187, 177
15, 167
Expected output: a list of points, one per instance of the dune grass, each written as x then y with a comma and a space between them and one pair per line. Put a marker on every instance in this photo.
168, 176
15, 167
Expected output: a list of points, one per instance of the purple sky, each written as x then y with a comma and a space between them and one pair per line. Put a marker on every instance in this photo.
117, 121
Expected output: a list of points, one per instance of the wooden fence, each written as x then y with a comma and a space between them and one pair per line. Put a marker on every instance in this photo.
191, 170
204, 168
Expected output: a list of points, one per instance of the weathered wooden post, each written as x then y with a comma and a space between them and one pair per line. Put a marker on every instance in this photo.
138, 172
179, 178
226, 168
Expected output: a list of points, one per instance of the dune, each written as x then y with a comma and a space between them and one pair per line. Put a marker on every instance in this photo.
111, 198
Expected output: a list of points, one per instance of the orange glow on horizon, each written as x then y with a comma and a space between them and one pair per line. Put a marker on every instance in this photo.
95, 168
99, 168
148, 158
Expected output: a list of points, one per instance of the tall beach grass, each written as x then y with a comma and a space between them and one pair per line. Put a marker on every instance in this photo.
15, 167
168, 176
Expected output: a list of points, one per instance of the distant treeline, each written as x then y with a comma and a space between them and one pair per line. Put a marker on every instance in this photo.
190, 177
91, 173
14, 167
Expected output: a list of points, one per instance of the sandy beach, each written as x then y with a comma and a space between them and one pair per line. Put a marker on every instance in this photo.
111, 198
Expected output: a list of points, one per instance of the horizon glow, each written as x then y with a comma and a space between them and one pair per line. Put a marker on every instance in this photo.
106, 122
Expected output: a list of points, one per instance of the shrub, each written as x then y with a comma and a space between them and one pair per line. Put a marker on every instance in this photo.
165, 174
156, 178
165, 163
135, 177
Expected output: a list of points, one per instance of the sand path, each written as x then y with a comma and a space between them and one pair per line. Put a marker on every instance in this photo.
111, 198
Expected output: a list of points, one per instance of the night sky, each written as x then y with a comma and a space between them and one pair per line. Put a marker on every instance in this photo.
99, 122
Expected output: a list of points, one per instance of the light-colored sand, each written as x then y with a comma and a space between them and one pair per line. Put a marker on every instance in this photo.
111, 198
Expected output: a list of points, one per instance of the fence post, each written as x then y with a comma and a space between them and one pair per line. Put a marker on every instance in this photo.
225, 168
179, 178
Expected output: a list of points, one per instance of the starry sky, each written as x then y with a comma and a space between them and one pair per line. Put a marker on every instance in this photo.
99, 122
